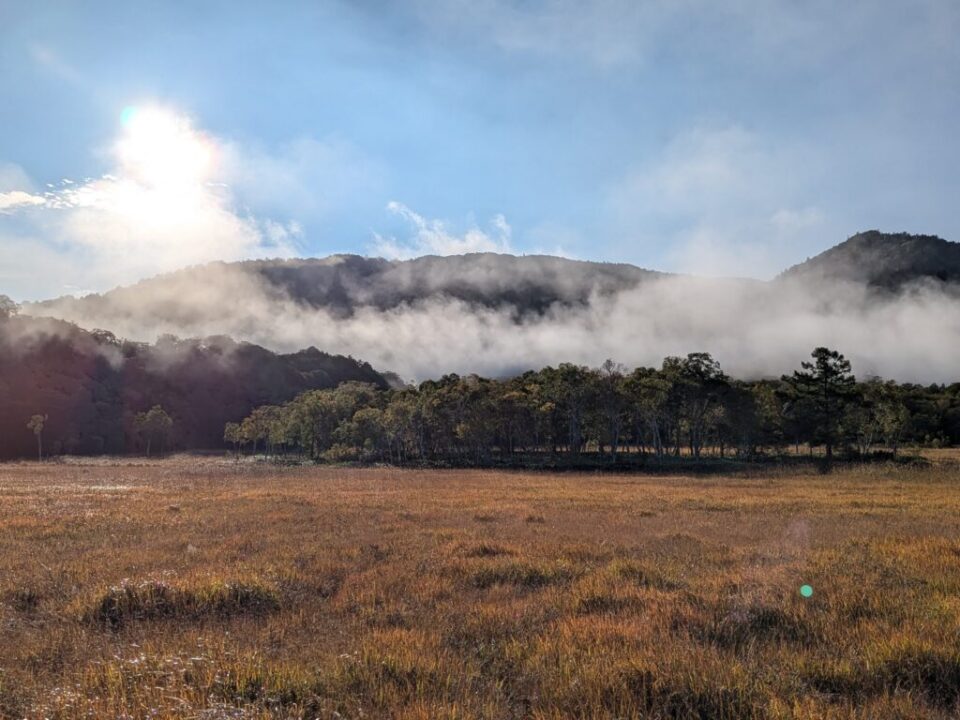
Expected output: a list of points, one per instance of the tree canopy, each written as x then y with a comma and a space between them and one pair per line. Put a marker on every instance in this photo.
154, 427
821, 390
687, 408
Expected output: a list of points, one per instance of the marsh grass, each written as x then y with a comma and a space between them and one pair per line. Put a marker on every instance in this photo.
528, 575
160, 600
299, 592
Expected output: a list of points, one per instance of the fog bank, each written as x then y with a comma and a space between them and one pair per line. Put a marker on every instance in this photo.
754, 329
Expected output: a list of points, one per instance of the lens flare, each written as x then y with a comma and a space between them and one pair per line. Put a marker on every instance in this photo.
127, 115
806, 591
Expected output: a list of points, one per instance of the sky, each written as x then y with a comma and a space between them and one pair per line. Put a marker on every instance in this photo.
732, 138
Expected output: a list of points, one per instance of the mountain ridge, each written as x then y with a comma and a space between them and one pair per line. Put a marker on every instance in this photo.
879, 297
883, 260
533, 283
341, 282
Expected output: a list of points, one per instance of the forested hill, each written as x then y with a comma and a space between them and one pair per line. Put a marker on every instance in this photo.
341, 284
880, 298
883, 260
91, 385
523, 285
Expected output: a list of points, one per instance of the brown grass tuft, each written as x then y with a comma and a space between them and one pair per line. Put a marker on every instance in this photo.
158, 600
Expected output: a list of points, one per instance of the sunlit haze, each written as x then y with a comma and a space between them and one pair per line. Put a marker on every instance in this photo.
162, 150
723, 139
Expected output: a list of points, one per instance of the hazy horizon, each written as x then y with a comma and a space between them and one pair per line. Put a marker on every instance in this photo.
693, 138
495, 316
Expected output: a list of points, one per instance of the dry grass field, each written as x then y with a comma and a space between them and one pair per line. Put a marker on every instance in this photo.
204, 588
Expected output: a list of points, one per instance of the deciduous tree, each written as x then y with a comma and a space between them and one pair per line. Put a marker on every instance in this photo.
154, 427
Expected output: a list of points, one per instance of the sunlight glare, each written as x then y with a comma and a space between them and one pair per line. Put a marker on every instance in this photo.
162, 149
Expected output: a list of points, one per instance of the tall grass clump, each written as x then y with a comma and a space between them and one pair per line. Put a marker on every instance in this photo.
159, 600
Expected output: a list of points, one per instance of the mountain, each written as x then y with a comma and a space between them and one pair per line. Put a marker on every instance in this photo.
525, 285
883, 261
880, 298
340, 284
91, 385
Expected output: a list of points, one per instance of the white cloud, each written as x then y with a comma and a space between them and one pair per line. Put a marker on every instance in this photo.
613, 34
51, 61
13, 177
701, 170
752, 328
18, 198
736, 203
433, 237
306, 176
606, 32
167, 202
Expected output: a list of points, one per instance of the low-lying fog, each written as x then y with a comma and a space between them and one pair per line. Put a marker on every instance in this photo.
754, 329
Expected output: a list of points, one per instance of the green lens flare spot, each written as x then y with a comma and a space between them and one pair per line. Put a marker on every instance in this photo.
806, 591
126, 117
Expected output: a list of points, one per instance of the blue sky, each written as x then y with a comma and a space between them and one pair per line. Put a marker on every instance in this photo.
717, 138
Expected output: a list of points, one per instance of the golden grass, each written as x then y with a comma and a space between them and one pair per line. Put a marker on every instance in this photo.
201, 588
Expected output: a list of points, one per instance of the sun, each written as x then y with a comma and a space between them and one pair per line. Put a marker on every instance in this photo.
162, 149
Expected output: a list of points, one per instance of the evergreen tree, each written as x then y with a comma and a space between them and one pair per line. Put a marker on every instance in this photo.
823, 388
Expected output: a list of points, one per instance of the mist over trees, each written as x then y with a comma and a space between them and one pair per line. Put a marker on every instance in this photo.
687, 408
95, 393
68, 391
882, 297
8, 307
451, 323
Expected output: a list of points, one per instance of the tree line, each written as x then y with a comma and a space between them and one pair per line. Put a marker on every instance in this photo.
88, 387
688, 407
152, 429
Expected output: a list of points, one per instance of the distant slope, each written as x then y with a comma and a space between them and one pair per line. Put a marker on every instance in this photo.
92, 385
523, 285
340, 284
886, 261
883, 299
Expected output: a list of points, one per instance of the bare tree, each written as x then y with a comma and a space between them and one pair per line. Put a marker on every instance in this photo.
613, 402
